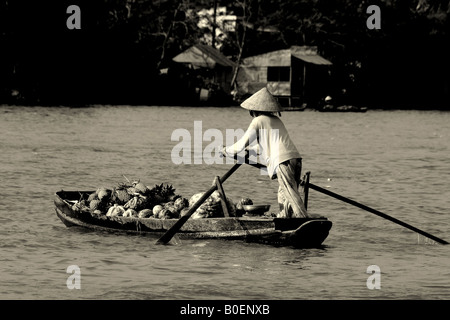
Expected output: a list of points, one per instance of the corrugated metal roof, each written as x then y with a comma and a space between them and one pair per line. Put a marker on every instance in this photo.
282, 58
309, 54
313, 59
279, 58
204, 56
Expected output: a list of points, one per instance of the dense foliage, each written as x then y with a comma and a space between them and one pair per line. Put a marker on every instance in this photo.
118, 54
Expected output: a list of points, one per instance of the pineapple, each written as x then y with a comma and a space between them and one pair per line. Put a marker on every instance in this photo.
162, 193
122, 196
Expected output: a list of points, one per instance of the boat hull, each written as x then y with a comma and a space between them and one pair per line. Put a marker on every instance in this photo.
296, 232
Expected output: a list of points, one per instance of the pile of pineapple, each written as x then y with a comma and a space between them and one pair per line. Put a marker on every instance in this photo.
135, 199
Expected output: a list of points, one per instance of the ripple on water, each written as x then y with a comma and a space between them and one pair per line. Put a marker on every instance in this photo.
392, 161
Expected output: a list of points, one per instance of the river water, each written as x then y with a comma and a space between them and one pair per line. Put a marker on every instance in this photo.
394, 161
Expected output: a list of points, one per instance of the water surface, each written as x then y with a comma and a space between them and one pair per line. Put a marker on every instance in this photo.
394, 161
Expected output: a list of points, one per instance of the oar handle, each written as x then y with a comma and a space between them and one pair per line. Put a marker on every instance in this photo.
246, 160
165, 238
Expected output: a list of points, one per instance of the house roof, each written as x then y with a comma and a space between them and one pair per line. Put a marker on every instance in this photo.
282, 58
201, 55
309, 55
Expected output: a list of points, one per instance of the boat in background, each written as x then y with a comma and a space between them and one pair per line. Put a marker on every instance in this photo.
343, 108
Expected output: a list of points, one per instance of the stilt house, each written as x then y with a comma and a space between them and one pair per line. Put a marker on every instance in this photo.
295, 76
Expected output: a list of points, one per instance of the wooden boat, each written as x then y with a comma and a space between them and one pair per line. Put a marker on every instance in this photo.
296, 232
343, 108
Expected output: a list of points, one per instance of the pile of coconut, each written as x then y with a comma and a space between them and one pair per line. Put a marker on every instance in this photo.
135, 199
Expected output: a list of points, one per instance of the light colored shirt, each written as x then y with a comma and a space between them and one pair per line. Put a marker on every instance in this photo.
270, 135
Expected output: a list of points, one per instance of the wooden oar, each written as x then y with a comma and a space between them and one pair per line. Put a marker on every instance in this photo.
364, 207
378, 213
165, 238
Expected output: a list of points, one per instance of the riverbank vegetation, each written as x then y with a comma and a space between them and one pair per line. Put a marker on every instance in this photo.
124, 47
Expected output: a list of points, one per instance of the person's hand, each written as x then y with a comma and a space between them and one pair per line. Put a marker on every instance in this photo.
222, 151
253, 151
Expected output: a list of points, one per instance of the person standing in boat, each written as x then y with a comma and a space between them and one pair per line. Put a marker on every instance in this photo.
274, 146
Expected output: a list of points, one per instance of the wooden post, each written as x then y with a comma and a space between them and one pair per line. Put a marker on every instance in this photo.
223, 198
213, 44
304, 83
306, 189
290, 83
168, 235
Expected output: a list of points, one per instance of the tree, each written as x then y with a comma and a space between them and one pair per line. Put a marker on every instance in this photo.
122, 45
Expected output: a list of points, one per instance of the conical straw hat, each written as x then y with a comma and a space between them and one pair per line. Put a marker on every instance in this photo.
262, 100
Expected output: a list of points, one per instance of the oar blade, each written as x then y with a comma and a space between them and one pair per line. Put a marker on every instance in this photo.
166, 237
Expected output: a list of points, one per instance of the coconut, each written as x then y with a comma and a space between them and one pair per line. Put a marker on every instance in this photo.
130, 213
210, 208
195, 198
181, 203
165, 214
95, 204
172, 210
215, 197
173, 213
183, 212
140, 187
103, 193
200, 213
169, 205
92, 196
115, 211
133, 203
157, 209
145, 213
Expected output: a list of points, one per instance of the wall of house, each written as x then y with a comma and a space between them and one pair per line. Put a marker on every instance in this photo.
279, 88
251, 79
223, 76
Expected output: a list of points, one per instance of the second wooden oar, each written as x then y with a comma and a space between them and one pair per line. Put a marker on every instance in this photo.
364, 207
165, 238
378, 213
